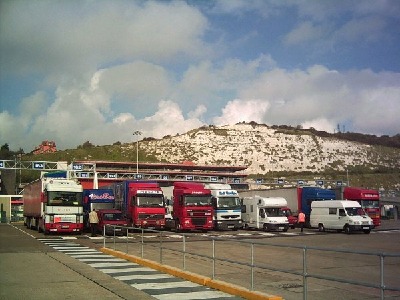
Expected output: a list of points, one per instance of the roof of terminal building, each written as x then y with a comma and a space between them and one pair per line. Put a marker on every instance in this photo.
185, 166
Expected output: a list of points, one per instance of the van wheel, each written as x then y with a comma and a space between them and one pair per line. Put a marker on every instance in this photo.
246, 226
367, 231
321, 227
347, 229
265, 227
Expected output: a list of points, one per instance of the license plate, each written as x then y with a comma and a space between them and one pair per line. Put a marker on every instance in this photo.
65, 227
281, 227
230, 226
365, 228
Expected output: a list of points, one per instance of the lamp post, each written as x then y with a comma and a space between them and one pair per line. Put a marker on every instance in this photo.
137, 133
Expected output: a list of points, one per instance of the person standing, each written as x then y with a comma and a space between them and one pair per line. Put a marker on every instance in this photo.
301, 220
93, 220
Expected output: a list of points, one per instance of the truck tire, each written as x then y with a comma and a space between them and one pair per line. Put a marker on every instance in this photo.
321, 227
347, 229
246, 226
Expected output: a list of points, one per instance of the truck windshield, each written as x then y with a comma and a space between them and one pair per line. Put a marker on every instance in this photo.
150, 201
228, 202
112, 216
369, 204
64, 198
197, 200
355, 211
274, 212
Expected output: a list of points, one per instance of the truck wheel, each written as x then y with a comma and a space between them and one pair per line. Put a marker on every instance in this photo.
347, 229
246, 226
321, 227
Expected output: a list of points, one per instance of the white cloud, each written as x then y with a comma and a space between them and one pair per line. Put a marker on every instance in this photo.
361, 98
71, 37
136, 79
98, 72
320, 124
239, 110
305, 32
362, 30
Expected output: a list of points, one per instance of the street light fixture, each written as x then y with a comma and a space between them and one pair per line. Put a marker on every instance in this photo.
137, 133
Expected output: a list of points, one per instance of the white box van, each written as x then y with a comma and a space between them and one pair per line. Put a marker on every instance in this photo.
340, 215
264, 213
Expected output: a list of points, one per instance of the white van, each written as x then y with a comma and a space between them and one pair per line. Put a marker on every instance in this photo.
340, 215
264, 213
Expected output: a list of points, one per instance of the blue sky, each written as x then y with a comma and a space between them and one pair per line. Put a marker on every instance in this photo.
77, 71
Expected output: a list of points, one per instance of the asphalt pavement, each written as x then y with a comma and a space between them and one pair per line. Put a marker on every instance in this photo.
32, 270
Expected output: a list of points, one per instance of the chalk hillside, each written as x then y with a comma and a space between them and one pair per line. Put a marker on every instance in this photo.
262, 149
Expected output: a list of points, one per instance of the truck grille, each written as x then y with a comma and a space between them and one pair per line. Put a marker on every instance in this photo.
199, 221
230, 217
197, 213
150, 217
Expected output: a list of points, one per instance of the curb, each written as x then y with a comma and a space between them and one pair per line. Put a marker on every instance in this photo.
199, 279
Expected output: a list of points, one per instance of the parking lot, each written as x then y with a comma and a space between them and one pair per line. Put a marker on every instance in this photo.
235, 246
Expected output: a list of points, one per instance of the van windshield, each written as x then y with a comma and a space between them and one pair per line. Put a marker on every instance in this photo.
355, 211
274, 212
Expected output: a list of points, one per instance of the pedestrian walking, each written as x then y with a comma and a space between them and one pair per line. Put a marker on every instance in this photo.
93, 220
301, 220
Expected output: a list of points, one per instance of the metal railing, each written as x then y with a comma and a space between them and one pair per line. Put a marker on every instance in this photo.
261, 259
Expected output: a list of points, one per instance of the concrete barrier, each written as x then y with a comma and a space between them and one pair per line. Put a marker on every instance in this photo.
196, 278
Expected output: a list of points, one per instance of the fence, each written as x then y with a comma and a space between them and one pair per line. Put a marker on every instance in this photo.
258, 265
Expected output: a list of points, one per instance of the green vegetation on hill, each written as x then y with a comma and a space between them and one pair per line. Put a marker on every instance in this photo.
358, 175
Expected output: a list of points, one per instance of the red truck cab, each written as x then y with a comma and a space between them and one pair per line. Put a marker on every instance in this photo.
142, 203
368, 199
192, 208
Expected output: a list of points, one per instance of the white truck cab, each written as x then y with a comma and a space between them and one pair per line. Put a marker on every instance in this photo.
227, 208
340, 215
264, 213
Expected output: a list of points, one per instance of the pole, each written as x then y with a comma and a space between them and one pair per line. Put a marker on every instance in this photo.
137, 133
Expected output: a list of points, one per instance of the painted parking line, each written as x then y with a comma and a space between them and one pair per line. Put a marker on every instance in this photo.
157, 284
